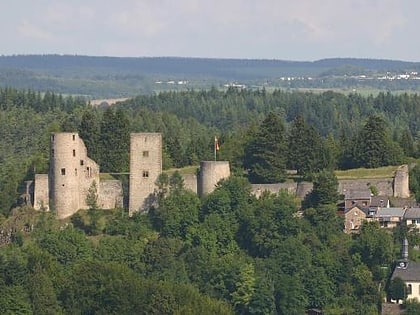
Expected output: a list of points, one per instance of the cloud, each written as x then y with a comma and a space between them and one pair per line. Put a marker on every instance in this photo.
32, 31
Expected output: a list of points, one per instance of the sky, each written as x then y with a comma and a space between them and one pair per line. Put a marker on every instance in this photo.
301, 30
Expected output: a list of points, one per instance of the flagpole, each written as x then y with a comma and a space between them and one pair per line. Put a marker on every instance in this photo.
214, 148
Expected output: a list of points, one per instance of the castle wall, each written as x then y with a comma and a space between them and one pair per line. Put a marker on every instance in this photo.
383, 185
300, 190
190, 182
211, 172
71, 173
401, 185
111, 194
145, 168
41, 192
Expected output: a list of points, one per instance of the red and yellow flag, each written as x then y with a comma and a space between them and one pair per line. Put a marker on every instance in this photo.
216, 144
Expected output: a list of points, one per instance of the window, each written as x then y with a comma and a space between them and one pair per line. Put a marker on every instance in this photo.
409, 289
145, 174
75, 171
63, 171
89, 171
52, 137
145, 153
82, 162
74, 137
52, 152
74, 152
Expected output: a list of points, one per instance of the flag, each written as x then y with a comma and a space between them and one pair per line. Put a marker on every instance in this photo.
216, 144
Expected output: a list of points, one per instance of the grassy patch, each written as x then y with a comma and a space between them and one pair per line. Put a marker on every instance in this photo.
358, 173
183, 171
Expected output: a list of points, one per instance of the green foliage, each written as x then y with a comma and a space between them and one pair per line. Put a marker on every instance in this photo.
264, 154
414, 181
374, 147
305, 149
324, 192
397, 290
114, 141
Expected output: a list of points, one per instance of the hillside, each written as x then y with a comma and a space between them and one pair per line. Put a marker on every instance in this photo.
100, 77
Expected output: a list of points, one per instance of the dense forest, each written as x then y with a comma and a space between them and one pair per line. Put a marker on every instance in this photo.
110, 77
228, 252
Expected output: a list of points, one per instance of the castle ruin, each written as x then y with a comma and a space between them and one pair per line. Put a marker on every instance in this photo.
72, 173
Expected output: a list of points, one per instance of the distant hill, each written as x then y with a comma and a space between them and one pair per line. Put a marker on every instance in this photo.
98, 77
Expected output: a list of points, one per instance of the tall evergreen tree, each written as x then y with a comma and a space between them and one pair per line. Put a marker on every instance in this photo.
374, 147
265, 154
115, 141
305, 149
89, 131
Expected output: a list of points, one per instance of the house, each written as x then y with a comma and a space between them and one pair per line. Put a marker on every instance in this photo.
379, 202
389, 217
412, 217
353, 219
359, 197
409, 272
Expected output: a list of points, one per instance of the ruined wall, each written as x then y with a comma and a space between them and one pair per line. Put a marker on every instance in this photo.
384, 185
41, 192
401, 186
111, 194
211, 172
145, 168
190, 182
72, 172
300, 190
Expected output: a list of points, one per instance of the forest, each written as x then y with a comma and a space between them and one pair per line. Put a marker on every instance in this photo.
228, 253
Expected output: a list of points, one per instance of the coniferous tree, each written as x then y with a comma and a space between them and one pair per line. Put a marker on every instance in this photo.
115, 141
374, 147
265, 154
306, 152
89, 131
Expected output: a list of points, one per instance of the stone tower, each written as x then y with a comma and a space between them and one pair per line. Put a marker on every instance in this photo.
72, 173
145, 168
401, 188
211, 172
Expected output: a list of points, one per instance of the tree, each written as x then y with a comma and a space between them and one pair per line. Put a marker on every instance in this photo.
324, 192
305, 149
265, 154
397, 289
374, 147
90, 131
115, 141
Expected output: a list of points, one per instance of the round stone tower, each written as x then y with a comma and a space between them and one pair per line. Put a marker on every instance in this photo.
211, 172
71, 173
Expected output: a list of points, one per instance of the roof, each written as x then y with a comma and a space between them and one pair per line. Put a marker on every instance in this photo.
412, 213
356, 208
390, 212
410, 273
379, 201
358, 194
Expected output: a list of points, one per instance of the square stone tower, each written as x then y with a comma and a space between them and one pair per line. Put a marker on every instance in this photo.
145, 168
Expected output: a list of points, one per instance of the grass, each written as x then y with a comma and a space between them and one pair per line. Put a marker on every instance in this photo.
359, 173
183, 171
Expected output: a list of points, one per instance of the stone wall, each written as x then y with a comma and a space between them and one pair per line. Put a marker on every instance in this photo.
190, 182
110, 194
383, 185
41, 192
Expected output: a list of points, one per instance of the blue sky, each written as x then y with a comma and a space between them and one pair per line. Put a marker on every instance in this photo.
260, 29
